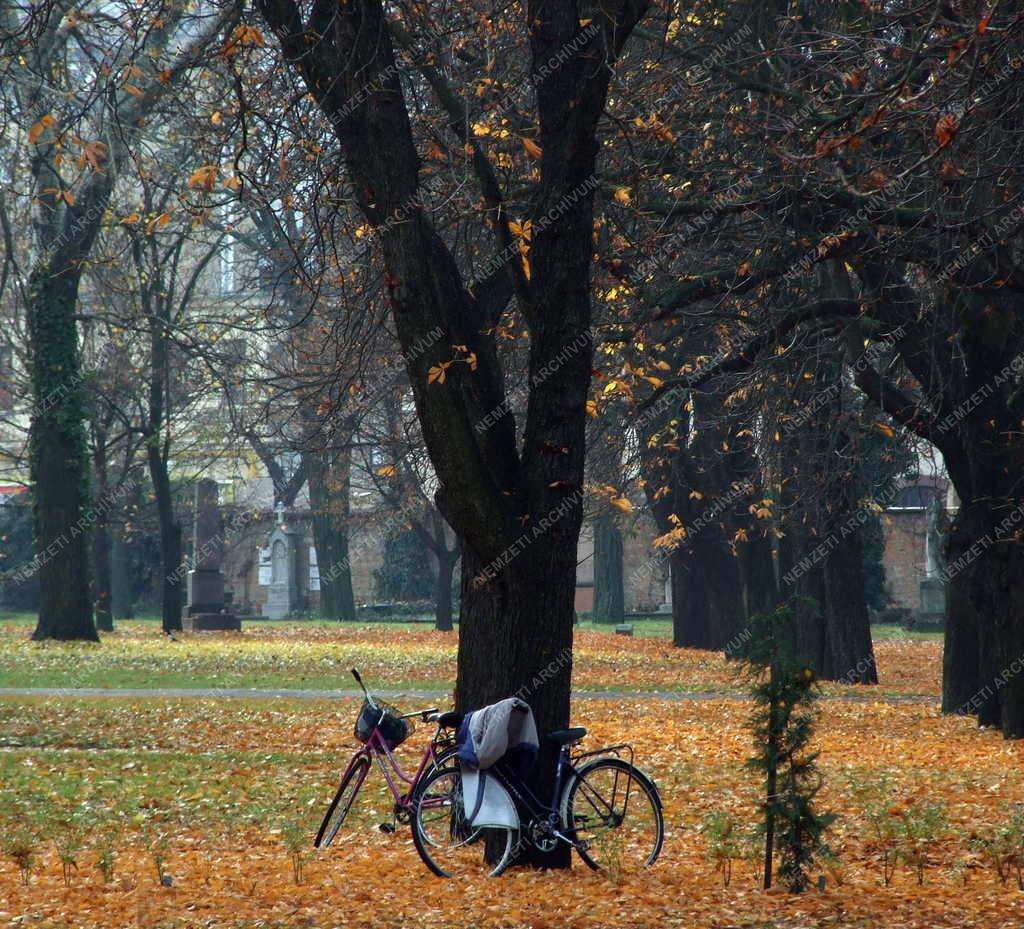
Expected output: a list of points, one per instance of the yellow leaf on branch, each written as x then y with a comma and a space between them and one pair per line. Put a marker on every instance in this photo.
622, 503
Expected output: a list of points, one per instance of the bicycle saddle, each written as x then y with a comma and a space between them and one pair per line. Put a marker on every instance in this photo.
450, 720
566, 736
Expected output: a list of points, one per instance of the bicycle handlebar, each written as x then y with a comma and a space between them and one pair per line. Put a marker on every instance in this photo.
423, 714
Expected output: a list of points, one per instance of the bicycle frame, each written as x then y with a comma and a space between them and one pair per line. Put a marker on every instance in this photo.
376, 749
550, 812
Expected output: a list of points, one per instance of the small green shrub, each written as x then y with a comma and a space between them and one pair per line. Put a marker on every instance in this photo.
106, 859
157, 844
921, 825
295, 840
21, 847
1003, 848
727, 841
68, 845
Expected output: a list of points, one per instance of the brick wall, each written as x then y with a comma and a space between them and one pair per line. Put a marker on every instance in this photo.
905, 534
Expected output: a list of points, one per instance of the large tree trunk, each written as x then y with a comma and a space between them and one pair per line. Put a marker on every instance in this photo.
609, 589
170, 541
760, 585
849, 655
59, 459
329, 474
517, 605
987, 565
692, 622
961, 660
822, 550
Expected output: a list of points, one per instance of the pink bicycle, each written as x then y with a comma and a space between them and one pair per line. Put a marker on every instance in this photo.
381, 728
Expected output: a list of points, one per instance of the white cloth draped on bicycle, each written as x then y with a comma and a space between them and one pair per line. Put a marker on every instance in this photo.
485, 803
503, 729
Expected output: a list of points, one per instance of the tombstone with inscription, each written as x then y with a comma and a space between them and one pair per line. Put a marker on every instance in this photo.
282, 586
206, 608
666, 604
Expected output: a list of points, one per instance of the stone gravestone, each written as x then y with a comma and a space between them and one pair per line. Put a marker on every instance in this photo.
205, 609
932, 588
283, 590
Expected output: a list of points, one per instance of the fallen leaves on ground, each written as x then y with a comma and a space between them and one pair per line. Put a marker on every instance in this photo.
312, 656
218, 779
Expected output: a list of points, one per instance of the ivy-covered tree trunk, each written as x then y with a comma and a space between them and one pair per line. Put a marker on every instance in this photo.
59, 458
609, 589
329, 474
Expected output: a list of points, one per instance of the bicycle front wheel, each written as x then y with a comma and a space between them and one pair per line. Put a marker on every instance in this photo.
445, 840
613, 811
342, 802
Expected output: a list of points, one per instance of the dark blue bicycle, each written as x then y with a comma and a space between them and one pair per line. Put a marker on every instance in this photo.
601, 805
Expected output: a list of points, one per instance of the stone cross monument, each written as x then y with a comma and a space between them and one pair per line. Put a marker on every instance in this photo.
283, 590
205, 608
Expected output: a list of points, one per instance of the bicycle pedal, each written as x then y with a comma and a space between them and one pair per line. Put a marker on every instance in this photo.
386, 828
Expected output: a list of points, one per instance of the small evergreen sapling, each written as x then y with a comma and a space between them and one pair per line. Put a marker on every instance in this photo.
784, 691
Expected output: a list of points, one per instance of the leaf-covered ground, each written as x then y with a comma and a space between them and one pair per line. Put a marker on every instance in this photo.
222, 782
315, 656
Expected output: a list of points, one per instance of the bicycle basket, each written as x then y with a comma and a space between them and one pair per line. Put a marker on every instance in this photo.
394, 729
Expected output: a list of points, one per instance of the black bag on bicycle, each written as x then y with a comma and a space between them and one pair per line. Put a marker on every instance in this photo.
394, 729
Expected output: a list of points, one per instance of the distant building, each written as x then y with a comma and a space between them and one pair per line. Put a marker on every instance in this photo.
911, 557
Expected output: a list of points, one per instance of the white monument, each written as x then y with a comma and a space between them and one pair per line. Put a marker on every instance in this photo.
282, 589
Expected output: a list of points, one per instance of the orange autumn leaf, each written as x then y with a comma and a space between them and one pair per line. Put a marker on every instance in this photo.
157, 222
93, 153
203, 177
532, 148
622, 503
945, 129
38, 128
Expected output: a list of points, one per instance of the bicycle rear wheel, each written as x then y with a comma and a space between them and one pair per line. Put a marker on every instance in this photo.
342, 802
446, 842
614, 812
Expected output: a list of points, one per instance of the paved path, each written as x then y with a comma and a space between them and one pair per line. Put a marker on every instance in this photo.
241, 693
